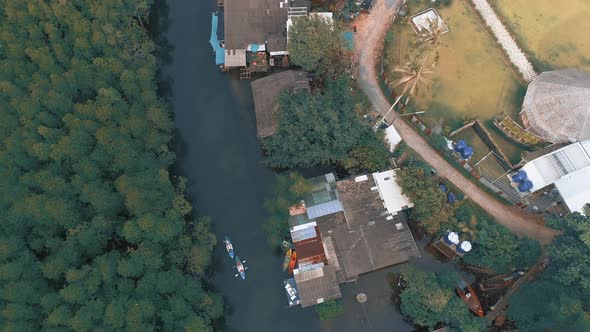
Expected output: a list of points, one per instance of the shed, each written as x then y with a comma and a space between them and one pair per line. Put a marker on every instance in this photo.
557, 106
266, 92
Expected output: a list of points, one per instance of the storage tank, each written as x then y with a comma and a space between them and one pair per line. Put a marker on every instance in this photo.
443, 187
451, 238
467, 152
525, 186
464, 247
519, 176
451, 198
460, 145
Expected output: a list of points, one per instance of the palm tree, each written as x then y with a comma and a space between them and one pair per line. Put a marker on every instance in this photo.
412, 77
412, 73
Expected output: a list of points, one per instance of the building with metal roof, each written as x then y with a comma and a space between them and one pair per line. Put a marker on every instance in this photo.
567, 169
557, 106
363, 232
266, 92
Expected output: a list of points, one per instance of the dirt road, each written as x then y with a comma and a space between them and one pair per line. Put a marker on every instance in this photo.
371, 30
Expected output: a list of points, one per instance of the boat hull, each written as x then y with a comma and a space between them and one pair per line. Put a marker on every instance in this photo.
287, 260
240, 268
229, 247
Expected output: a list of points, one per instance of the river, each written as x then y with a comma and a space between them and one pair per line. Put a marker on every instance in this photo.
219, 153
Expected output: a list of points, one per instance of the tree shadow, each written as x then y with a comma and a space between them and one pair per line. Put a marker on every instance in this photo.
158, 25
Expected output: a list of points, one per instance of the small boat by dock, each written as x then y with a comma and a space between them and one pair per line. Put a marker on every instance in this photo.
291, 290
241, 269
467, 294
292, 262
287, 260
229, 247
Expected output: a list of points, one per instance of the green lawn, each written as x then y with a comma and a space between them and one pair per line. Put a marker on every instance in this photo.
556, 33
471, 80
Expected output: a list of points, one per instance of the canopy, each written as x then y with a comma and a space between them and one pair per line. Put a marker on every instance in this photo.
219, 51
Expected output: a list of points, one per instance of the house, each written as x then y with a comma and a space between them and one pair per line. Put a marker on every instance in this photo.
360, 228
248, 25
266, 92
566, 169
556, 106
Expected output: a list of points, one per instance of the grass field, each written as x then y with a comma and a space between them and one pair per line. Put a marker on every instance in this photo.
554, 33
471, 80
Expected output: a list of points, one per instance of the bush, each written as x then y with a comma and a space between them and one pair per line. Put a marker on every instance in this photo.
329, 309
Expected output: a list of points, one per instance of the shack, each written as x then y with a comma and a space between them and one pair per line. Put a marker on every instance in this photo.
266, 92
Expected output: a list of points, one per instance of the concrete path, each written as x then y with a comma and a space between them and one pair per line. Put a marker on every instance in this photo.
515, 54
368, 47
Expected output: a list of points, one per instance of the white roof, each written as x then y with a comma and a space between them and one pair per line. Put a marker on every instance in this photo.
575, 189
391, 192
551, 167
423, 20
393, 137
235, 58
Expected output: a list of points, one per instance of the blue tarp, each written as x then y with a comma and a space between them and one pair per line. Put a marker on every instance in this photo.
349, 38
219, 51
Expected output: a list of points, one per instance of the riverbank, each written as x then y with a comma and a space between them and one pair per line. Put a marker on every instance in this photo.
219, 153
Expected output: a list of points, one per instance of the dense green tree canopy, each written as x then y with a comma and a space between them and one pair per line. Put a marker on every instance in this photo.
569, 253
548, 306
496, 248
324, 128
93, 232
560, 300
430, 203
316, 45
430, 299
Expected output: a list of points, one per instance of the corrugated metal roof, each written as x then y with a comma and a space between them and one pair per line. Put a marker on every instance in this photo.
303, 234
324, 209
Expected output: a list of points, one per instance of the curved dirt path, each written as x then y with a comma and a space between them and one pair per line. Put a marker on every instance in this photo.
371, 30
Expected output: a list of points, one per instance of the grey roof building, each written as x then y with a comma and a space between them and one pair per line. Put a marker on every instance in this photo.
363, 232
557, 106
253, 21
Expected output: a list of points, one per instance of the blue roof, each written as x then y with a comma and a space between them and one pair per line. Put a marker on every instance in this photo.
219, 51
349, 38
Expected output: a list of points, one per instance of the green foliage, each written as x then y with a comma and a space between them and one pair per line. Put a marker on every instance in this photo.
548, 306
93, 231
329, 309
430, 205
316, 45
288, 190
430, 299
319, 129
568, 253
498, 249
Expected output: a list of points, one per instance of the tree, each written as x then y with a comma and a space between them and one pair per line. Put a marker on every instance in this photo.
288, 190
498, 249
568, 252
548, 306
323, 128
430, 299
329, 309
316, 45
94, 234
412, 76
430, 204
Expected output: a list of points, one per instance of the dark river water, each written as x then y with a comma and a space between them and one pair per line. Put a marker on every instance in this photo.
220, 155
